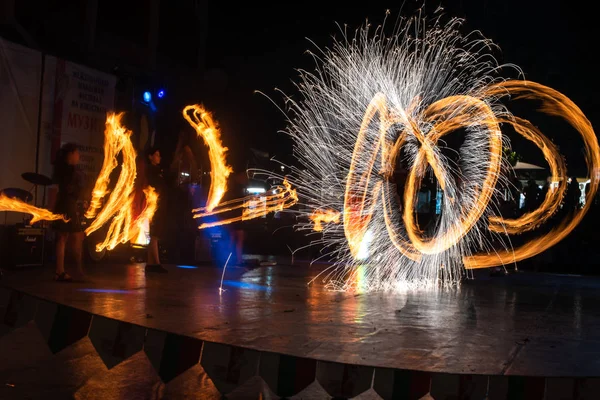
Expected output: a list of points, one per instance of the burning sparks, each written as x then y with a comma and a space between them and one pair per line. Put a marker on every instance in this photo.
38, 214
251, 207
207, 128
375, 100
319, 217
118, 209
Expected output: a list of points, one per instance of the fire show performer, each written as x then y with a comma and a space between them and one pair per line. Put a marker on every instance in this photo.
70, 191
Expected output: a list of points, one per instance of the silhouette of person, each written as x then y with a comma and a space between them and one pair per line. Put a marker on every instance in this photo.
532, 193
573, 196
543, 193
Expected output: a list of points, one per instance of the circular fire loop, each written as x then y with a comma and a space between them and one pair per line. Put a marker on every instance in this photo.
444, 116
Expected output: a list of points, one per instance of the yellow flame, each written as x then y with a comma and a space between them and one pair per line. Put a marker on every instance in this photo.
557, 104
115, 138
38, 214
142, 223
454, 112
357, 214
119, 206
552, 201
118, 209
206, 127
284, 197
319, 217
445, 116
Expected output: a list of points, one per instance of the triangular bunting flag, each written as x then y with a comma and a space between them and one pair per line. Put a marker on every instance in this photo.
287, 375
115, 341
526, 388
229, 366
472, 387
586, 388
21, 309
444, 386
401, 384
561, 388
171, 354
61, 325
344, 380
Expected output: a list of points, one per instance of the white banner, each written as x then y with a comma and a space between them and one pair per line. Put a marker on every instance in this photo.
76, 100
20, 72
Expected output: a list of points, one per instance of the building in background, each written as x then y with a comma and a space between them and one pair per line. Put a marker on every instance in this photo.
66, 63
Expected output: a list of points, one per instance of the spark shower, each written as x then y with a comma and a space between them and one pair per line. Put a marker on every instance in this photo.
374, 99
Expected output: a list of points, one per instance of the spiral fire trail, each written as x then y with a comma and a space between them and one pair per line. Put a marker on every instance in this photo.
376, 99
118, 209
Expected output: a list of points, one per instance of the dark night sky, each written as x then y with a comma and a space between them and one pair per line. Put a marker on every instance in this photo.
258, 46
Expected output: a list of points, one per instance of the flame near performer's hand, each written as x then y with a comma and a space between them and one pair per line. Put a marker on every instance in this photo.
448, 115
37, 213
207, 128
118, 209
252, 206
115, 138
375, 99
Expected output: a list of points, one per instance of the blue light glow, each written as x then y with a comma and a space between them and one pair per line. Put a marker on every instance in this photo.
161, 94
187, 266
245, 285
147, 97
120, 291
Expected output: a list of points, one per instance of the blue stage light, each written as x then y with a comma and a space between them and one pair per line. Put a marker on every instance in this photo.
186, 266
161, 93
96, 290
147, 97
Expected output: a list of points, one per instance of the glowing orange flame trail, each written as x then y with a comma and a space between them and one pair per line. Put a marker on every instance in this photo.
115, 137
319, 217
202, 121
447, 115
119, 206
38, 214
556, 104
285, 197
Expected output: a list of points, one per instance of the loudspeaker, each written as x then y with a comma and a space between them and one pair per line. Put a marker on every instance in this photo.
25, 246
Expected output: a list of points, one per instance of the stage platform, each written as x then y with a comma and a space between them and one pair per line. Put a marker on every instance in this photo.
498, 336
